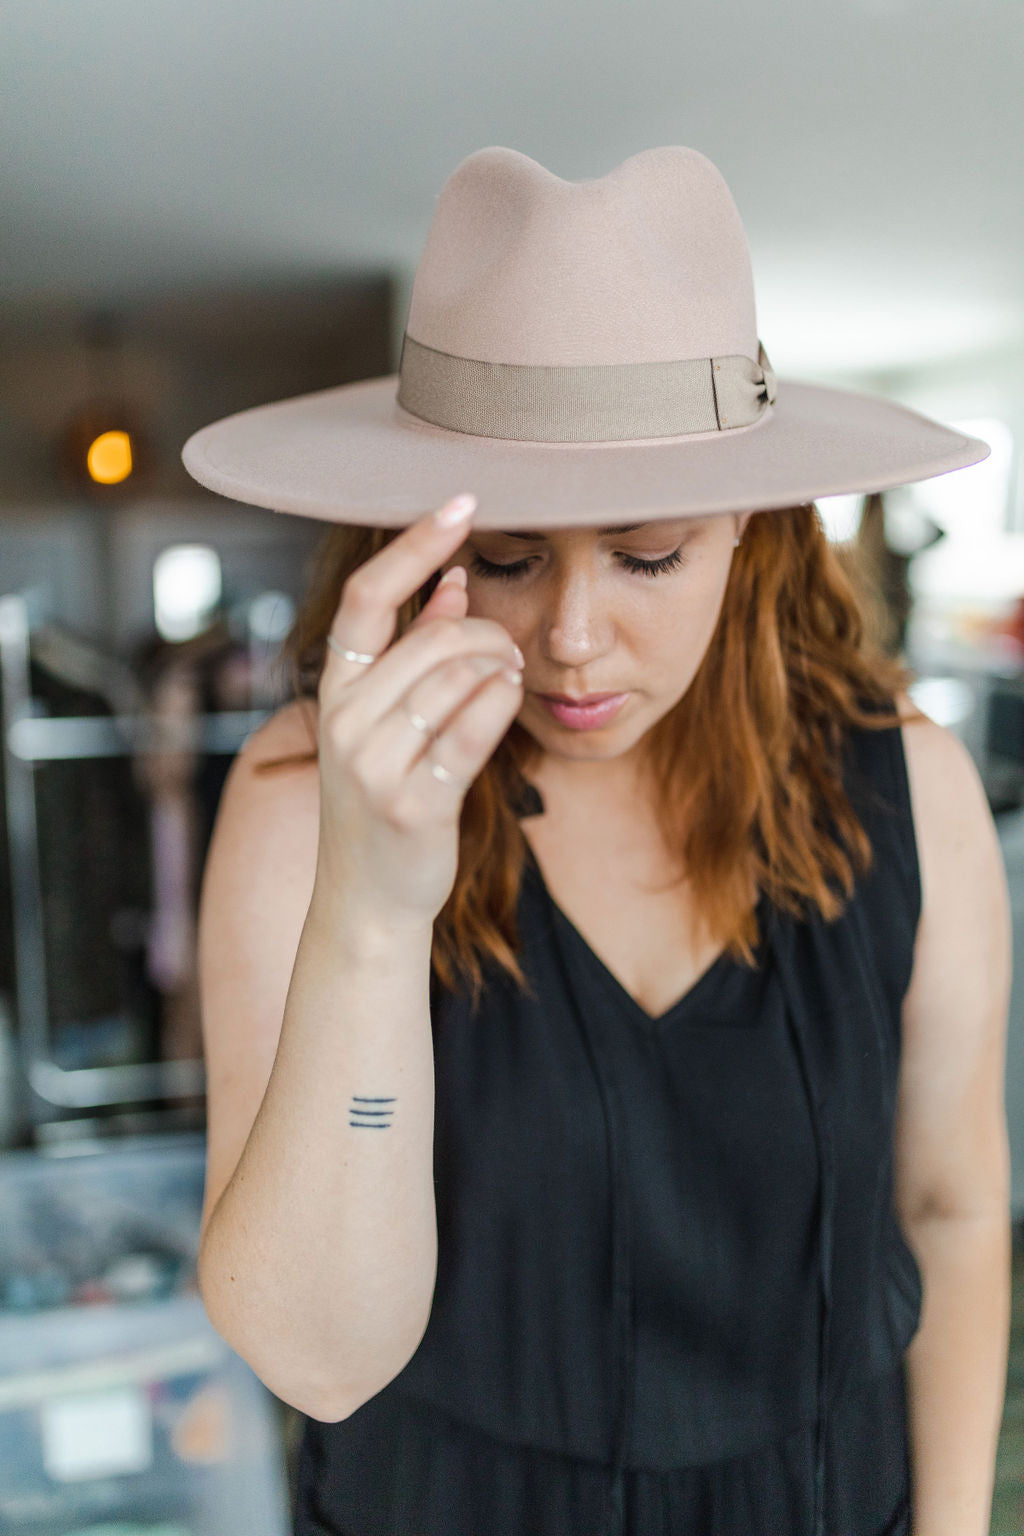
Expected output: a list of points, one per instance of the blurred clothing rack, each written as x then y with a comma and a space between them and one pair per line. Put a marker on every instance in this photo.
30, 739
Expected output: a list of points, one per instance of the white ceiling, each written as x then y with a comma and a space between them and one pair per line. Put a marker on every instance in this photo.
875, 148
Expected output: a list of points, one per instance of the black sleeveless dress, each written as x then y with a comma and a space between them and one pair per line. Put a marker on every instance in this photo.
673, 1297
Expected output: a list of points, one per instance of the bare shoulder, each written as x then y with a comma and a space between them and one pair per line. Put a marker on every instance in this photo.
930, 747
948, 800
274, 782
274, 788
955, 1010
290, 729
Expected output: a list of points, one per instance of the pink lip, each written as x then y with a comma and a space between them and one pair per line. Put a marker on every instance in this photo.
584, 717
588, 698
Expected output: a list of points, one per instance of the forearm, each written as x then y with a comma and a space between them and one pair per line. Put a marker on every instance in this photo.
318, 1263
956, 1370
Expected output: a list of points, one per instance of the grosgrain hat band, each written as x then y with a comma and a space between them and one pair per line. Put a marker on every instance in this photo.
593, 402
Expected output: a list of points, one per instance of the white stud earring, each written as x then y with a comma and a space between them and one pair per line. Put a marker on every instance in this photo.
734, 543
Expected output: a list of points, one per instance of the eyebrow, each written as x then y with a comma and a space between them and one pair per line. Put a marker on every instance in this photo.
625, 528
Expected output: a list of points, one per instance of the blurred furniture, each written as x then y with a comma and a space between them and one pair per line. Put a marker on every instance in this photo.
120, 1405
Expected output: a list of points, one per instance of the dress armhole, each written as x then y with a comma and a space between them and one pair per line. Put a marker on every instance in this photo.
909, 862
880, 789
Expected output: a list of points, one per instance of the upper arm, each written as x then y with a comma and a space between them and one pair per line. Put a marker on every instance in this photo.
255, 892
951, 1145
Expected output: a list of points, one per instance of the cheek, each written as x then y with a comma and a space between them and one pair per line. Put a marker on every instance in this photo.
506, 602
484, 602
679, 629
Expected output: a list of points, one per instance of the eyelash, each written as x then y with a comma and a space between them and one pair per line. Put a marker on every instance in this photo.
632, 563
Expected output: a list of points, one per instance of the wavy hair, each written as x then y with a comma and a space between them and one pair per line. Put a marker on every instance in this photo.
745, 767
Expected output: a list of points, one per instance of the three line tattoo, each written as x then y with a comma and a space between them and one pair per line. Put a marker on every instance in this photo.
370, 1119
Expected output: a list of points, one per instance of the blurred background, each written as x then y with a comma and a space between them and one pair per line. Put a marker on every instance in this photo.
205, 206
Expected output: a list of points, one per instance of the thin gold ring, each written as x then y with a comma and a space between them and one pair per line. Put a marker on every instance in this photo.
361, 656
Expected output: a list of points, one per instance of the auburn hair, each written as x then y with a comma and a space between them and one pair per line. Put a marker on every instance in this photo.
745, 767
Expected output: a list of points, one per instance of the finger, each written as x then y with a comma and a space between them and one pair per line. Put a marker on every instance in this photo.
449, 598
468, 738
367, 614
455, 715
445, 639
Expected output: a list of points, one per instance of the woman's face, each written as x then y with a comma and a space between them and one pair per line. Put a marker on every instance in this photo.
589, 620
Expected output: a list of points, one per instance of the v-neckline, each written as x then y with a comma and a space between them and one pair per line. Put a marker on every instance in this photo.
650, 1021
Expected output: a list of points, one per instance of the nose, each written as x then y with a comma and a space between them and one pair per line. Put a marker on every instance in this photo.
577, 627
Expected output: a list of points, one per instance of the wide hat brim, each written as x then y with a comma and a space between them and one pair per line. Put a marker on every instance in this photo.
351, 454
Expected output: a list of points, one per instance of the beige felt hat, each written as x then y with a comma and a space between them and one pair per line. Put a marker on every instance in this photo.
575, 352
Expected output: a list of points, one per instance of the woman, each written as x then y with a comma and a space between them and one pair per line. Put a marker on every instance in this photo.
605, 1106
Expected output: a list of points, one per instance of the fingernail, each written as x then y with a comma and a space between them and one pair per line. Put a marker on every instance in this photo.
456, 577
456, 510
519, 656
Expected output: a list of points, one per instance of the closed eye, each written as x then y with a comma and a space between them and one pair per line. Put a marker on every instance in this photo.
488, 568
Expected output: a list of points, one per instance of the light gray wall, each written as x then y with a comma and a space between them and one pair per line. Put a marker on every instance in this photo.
875, 149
